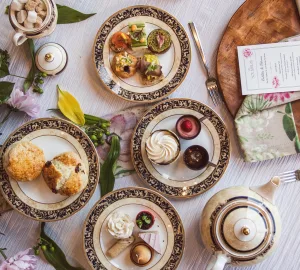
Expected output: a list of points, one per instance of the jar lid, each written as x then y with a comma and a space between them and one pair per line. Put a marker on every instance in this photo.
51, 58
244, 228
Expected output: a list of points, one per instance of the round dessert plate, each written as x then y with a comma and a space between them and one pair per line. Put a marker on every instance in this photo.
34, 199
176, 179
132, 200
175, 62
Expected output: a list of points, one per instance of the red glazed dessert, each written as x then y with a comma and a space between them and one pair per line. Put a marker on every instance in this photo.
196, 157
188, 127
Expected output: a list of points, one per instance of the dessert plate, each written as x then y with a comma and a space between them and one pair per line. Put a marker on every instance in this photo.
34, 199
175, 62
176, 179
132, 200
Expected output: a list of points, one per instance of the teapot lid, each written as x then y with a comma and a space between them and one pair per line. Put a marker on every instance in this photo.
243, 227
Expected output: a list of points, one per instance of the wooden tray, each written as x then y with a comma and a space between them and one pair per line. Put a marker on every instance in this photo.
255, 22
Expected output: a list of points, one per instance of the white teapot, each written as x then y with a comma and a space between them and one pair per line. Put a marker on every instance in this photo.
241, 225
23, 33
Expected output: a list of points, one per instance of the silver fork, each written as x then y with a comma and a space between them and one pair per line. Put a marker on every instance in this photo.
290, 176
211, 82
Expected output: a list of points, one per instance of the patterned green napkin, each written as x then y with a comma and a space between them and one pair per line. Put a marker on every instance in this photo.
265, 125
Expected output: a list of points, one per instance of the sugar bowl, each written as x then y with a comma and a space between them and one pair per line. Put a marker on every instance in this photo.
32, 19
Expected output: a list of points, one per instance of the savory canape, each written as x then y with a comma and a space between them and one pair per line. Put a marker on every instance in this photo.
144, 220
124, 64
163, 147
196, 157
120, 42
159, 41
150, 69
138, 35
188, 127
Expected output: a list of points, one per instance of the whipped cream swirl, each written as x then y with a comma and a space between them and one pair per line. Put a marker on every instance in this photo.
162, 147
120, 225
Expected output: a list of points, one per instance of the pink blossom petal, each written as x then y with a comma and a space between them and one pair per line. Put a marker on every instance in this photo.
130, 120
117, 124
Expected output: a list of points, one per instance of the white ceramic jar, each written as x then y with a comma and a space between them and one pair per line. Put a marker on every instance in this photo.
46, 28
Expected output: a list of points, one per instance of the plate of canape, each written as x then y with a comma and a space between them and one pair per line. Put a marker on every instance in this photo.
180, 148
49, 169
133, 228
142, 53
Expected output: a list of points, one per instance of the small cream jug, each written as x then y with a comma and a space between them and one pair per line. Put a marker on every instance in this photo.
241, 225
46, 28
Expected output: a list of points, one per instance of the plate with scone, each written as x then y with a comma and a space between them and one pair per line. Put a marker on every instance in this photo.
142, 54
180, 148
49, 169
133, 228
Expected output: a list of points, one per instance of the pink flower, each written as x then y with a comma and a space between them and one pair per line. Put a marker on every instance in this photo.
276, 96
275, 82
247, 53
23, 102
21, 261
122, 125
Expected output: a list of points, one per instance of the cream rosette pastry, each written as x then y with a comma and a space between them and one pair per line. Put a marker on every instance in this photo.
120, 225
163, 147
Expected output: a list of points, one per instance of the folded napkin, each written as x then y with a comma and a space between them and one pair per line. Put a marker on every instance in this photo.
265, 124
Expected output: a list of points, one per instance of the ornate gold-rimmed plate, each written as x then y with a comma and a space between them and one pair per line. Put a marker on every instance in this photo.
131, 201
176, 179
34, 199
175, 62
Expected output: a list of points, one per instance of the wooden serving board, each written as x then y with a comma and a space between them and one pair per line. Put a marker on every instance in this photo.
255, 22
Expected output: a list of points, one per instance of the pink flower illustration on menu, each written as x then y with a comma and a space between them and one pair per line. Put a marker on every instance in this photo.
247, 53
275, 82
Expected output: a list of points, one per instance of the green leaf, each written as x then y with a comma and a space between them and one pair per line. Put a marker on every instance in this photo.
30, 77
107, 177
288, 108
6, 10
4, 63
289, 127
70, 15
297, 144
56, 258
5, 91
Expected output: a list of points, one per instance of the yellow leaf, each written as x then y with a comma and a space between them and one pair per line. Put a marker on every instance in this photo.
70, 107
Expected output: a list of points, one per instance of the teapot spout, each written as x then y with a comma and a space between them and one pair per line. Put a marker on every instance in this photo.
268, 190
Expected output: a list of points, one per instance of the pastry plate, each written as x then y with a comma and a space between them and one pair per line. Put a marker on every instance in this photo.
175, 62
34, 199
131, 201
176, 179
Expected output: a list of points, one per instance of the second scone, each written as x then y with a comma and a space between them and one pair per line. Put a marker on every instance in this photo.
65, 174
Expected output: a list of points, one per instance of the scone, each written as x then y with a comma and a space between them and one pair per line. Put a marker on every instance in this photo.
65, 174
23, 161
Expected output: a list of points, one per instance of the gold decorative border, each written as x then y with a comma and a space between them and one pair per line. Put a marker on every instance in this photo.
133, 192
83, 198
133, 11
177, 192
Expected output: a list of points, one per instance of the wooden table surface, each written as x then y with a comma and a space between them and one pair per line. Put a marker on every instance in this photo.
211, 17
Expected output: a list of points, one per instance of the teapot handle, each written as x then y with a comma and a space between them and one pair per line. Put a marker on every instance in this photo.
218, 261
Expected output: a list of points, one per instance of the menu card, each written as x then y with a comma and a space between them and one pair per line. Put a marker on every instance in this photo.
270, 68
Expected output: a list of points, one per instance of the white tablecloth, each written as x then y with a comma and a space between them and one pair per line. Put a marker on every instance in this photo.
211, 17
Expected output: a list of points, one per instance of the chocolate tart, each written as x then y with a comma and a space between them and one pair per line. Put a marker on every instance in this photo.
196, 157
